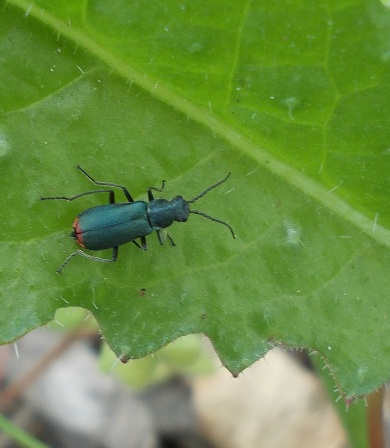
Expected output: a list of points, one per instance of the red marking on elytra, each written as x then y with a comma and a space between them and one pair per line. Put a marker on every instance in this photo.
78, 232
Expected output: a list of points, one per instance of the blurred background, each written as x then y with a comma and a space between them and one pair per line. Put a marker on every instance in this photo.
63, 385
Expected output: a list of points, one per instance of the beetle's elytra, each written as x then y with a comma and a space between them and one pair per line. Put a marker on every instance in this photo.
116, 223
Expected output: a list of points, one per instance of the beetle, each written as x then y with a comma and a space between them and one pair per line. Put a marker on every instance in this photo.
111, 225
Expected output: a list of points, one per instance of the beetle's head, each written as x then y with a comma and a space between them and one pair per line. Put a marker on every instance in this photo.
182, 209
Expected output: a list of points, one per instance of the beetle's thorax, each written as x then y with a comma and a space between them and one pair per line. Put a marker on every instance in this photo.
162, 213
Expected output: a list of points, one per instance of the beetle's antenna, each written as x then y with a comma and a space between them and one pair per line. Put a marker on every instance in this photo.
207, 190
196, 212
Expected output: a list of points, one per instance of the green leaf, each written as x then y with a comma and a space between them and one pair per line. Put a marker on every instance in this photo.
293, 97
17, 434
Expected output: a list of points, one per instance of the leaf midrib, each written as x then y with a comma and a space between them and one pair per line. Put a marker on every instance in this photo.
204, 116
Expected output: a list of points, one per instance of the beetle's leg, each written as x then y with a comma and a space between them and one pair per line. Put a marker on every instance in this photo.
143, 243
107, 184
150, 189
111, 196
90, 257
161, 238
114, 254
171, 240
